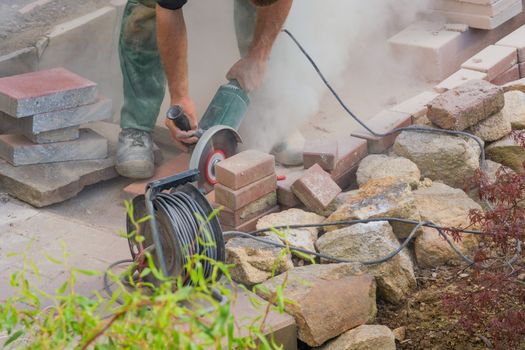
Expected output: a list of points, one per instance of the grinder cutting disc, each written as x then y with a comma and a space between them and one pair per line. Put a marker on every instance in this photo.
216, 144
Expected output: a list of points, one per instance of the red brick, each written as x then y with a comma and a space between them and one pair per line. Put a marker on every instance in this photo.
245, 214
347, 180
250, 225
493, 60
351, 151
316, 189
383, 123
320, 151
236, 199
44, 91
244, 168
285, 196
508, 76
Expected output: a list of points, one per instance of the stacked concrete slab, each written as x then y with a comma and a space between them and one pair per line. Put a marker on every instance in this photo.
245, 189
480, 14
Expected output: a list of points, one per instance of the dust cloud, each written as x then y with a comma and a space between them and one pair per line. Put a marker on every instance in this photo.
348, 40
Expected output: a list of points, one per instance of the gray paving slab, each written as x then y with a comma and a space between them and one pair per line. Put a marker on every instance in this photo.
59, 135
18, 62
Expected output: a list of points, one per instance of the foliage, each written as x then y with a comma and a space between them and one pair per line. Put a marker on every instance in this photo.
491, 304
136, 315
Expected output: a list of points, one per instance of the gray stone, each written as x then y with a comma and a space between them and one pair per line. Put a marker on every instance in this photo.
298, 238
60, 135
17, 150
514, 109
365, 337
447, 158
493, 128
254, 262
378, 199
18, 62
466, 105
365, 242
325, 300
507, 152
516, 85
379, 166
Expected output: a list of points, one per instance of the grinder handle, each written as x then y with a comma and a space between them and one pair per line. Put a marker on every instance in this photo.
179, 118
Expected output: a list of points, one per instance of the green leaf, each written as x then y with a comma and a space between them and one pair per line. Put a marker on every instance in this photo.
62, 288
88, 272
13, 337
54, 261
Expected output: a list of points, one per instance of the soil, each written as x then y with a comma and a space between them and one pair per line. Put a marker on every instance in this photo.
19, 30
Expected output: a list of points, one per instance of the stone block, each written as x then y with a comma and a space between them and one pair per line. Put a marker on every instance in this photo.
514, 109
350, 152
18, 62
466, 105
44, 91
17, 150
522, 70
347, 180
415, 106
251, 224
515, 39
285, 196
383, 123
316, 189
244, 169
59, 135
322, 152
379, 166
508, 152
236, 199
493, 60
459, 78
365, 337
511, 74
493, 128
238, 217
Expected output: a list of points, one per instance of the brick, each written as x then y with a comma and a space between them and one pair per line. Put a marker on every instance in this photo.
415, 106
522, 70
44, 91
320, 151
493, 60
351, 151
508, 76
17, 150
382, 123
459, 78
285, 196
515, 39
466, 105
236, 199
242, 215
250, 225
244, 169
347, 180
60, 135
316, 189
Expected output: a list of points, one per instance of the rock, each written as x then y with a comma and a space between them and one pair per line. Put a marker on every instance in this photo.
466, 105
447, 158
298, 238
400, 333
514, 109
375, 240
365, 337
290, 151
517, 85
448, 207
493, 128
255, 262
376, 199
326, 300
507, 152
377, 166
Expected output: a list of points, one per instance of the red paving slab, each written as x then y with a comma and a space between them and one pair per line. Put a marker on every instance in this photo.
510, 75
236, 199
316, 189
320, 151
244, 168
351, 150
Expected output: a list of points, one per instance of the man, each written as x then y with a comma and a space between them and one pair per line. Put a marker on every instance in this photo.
148, 24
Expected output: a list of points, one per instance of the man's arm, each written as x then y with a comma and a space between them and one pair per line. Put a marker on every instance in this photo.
172, 42
250, 70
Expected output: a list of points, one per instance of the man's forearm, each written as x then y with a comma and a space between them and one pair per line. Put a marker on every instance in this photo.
172, 42
270, 21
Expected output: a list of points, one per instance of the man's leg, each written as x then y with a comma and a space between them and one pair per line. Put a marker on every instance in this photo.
144, 88
244, 14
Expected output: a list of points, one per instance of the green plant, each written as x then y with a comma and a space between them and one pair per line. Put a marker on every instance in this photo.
137, 314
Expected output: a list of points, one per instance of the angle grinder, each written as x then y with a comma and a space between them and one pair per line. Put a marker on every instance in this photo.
217, 131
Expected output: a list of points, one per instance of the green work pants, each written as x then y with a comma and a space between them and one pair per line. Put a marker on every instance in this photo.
143, 75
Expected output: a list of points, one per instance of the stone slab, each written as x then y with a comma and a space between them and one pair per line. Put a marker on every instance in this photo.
44, 91
316, 189
251, 225
511, 74
17, 150
19, 62
515, 39
244, 169
457, 79
474, 9
236, 199
493, 60
60, 135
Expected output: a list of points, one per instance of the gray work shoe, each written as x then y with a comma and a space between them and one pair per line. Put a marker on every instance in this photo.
135, 154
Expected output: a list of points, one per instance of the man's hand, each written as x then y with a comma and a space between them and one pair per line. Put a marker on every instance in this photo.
249, 72
184, 139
